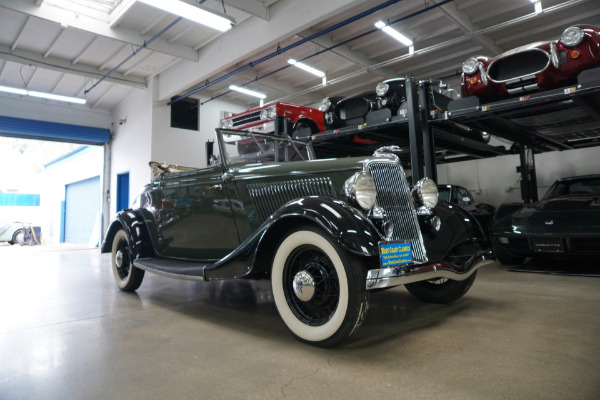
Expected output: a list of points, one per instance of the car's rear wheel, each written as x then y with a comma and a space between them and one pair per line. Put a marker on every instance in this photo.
18, 237
127, 277
318, 288
503, 255
443, 290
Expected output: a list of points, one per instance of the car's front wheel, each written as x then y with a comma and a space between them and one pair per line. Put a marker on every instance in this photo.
319, 289
443, 290
503, 255
127, 277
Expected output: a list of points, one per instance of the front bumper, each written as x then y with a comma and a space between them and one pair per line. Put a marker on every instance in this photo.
388, 277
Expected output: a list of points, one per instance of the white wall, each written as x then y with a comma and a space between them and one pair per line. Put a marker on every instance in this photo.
131, 144
82, 165
182, 146
496, 181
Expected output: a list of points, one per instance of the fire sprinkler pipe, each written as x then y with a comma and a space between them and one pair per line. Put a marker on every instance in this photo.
283, 50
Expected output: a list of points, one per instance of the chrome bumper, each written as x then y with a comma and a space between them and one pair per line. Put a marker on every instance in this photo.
388, 277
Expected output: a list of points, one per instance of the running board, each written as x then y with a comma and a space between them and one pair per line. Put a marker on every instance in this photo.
173, 268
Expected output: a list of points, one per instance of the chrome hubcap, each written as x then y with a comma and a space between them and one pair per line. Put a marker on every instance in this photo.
119, 258
304, 285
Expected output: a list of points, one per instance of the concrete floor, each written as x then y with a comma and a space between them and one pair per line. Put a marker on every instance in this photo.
66, 332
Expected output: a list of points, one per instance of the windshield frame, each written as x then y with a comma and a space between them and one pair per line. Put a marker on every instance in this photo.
294, 145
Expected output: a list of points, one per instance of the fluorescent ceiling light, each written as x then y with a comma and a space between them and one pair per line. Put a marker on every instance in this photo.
13, 90
50, 96
306, 68
192, 13
393, 33
248, 92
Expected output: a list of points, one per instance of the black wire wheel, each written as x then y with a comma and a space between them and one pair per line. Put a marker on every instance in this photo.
319, 289
127, 277
443, 290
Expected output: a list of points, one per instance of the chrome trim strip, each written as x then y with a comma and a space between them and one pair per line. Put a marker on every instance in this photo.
524, 76
389, 277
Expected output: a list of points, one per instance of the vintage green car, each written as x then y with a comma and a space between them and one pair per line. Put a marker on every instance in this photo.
326, 232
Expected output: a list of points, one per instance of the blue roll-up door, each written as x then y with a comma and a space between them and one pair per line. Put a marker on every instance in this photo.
82, 207
54, 131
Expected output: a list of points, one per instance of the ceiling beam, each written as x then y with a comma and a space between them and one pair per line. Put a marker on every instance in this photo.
97, 27
464, 23
255, 35
254, 7
61, 65
345, 52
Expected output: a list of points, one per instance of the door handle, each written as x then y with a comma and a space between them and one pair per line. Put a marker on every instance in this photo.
218, 187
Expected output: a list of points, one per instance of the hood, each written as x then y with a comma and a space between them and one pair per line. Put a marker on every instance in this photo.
566, 215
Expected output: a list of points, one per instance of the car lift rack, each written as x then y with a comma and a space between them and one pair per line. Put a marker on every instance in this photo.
557, 119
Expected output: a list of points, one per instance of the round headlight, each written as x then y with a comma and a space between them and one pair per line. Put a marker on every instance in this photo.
572, 36
268, 113
325, 104
360, 188
381, 89
227, 124
470, 66
427, 192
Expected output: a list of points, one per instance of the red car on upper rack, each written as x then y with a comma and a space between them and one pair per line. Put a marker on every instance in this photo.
263, 119
537, 66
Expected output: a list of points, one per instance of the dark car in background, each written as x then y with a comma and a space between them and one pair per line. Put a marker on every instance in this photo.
564, 224
483, 213
326, 232
536, 66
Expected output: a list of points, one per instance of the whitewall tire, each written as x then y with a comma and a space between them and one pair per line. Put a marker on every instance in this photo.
319, 290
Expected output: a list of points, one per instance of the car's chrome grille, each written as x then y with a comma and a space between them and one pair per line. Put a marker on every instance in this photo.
394, 196
246, 118
268, 197
518, 65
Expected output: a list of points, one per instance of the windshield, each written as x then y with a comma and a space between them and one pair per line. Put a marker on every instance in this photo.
254, 147
581, 186
443, 193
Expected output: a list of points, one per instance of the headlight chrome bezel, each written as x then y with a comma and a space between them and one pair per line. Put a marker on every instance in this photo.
470, 66
382, 89
325, 104
268, 113
572, 36
360, 190
425, 193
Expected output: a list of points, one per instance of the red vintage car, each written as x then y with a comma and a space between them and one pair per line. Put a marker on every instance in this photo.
262, 119
533, 67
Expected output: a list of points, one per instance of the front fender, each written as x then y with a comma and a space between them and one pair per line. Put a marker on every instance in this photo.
345, 225
132, 222
502, 221
458, 226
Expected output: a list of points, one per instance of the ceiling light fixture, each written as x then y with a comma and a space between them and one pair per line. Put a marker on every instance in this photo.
50, 96
191, 13
13, 90
393, 33
248, 92
306, 68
